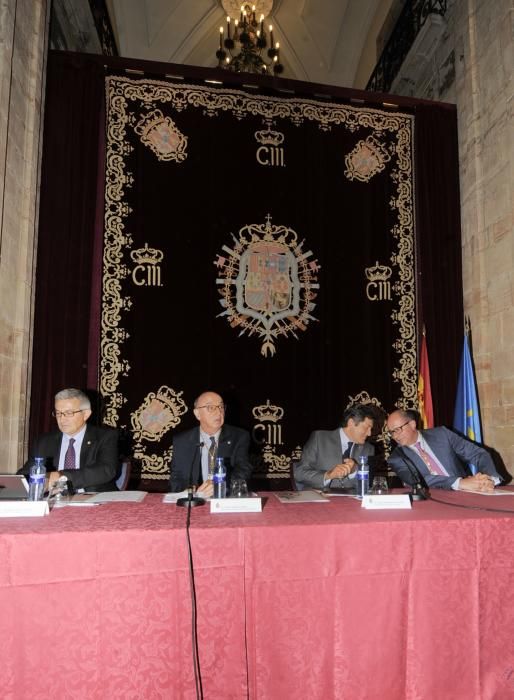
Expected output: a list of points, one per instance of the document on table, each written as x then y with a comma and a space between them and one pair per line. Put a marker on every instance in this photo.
173, 497
307, 496
117, 496
343, 491
496, 492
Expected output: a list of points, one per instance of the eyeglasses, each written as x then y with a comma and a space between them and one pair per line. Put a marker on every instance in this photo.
212, 408
399, 429
67, 414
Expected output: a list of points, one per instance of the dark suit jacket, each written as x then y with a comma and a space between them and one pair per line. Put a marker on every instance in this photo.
452, 450
322, 451
233, 445
98, 458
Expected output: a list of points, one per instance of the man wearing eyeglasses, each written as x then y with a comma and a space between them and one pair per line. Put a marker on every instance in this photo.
195, 450
86, 454
439, 455
329, 458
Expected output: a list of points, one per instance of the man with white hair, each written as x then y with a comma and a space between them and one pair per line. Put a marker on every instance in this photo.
86, 454
195, 450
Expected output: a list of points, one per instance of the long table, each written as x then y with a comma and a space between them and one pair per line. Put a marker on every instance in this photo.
309, 601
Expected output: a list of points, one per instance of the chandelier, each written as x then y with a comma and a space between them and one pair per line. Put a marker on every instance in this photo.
245, 45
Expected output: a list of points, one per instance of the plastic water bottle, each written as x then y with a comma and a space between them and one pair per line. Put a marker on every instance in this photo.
37, 476
362, 477
219, 479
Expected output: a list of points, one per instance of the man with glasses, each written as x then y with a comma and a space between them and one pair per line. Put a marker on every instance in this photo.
438, 455
195, 451
329, 458
86, 454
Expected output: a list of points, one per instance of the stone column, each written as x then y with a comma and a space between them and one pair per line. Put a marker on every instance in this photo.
23, 49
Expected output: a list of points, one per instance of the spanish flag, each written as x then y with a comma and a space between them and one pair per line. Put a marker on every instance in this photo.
425, 407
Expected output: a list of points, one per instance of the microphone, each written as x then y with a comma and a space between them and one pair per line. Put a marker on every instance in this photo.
418, 492
191, 501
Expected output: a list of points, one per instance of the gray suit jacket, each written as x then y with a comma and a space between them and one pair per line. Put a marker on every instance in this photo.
452, 450
322, 452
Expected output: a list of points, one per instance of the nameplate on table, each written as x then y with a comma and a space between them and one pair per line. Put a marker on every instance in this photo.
386, 501
252, 504
23, 509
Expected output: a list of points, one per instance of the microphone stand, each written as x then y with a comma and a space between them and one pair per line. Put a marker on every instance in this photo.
418, 492
190, 501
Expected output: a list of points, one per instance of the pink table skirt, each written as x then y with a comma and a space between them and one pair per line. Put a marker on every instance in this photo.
300, 601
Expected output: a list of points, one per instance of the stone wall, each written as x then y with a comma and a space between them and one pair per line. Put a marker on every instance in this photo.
484, 60
470, 64
23, 32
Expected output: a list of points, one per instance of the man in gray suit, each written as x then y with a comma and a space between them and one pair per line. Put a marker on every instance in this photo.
439, 455
329, 458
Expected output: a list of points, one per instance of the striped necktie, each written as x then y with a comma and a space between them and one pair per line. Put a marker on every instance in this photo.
431, 464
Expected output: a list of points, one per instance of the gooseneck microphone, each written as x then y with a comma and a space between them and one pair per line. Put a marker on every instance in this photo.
190, 501
419, 492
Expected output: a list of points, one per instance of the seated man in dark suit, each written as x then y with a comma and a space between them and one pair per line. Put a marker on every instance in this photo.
199, 447
439, 455
85, 454
329, 458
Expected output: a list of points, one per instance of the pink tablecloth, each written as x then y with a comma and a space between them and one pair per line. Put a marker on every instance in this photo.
300, 601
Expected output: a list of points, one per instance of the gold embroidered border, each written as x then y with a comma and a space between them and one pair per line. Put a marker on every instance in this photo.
121, 91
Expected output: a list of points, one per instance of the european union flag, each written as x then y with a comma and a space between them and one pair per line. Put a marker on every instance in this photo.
467, 413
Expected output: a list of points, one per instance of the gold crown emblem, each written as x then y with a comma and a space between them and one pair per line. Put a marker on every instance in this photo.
172, 400
269, 137
147, 256
378, 273
268, 412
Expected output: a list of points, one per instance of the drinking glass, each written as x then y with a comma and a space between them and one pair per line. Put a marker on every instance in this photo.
380, 486
238, 488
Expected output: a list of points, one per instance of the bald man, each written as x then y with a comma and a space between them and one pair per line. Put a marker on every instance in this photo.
439, 455
197, 448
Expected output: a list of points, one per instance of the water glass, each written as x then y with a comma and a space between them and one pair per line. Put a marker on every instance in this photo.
59, 494
380, 486
238, 488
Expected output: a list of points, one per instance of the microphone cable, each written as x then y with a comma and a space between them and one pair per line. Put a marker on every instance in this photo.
192, 586
194, 628
469, 507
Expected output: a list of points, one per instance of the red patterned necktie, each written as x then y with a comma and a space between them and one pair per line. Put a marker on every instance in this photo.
69, 457
432, 465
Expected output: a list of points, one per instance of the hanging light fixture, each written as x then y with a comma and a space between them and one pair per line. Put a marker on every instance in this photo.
246, 44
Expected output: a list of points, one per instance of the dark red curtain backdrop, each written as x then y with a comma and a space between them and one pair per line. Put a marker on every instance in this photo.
439, 252
66, 237
69, 283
